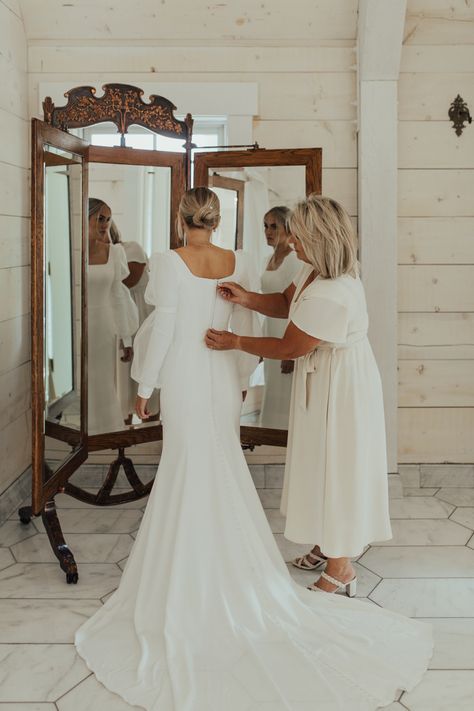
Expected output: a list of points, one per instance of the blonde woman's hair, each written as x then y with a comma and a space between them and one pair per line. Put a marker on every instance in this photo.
115, 234
95, 206
327, 236
199, 207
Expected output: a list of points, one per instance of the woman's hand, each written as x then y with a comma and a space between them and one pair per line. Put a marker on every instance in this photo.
127, 354
230, 291
141, 407
287, 366
221, 340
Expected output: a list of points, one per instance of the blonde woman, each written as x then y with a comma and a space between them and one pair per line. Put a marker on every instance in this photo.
335, 492
206, 616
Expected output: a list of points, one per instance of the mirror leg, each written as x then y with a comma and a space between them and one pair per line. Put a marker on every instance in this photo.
60, 548
134, 480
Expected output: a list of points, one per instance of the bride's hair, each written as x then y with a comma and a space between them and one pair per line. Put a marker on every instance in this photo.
282, 215
199, 207
95, 205
326, 233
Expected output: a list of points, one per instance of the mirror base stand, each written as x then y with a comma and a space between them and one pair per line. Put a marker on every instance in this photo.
104, 496
52, 526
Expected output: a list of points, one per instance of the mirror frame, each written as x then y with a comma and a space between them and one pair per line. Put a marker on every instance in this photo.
311, 159
43, 487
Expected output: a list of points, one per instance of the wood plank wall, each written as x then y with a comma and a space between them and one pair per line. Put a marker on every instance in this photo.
15, 413
436, 236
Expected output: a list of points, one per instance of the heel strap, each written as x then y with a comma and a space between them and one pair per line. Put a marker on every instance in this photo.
332, 580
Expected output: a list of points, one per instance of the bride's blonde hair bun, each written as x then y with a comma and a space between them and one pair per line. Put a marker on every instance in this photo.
200, 207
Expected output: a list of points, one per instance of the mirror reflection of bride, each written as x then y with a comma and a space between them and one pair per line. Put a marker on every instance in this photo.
111, 312
136, 282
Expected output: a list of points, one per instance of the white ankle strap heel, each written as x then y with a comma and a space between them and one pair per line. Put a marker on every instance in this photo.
349, 588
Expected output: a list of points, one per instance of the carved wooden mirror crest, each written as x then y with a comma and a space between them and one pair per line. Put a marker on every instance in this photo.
121, 104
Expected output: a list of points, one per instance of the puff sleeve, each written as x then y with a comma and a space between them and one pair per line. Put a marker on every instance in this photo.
155, 335
134, 252
245, 322
124, 308
322, 318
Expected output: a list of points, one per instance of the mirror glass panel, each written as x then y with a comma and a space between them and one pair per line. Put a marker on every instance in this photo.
131, 222
264, 236
62, 303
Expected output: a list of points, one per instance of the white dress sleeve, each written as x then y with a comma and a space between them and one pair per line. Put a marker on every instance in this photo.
135, 252
154, 336
245, 322
321, 317
124, 308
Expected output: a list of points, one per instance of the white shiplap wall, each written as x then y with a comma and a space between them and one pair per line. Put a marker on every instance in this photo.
436, 236
15, 419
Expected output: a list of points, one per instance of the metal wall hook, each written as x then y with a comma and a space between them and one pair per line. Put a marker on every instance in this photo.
459, 114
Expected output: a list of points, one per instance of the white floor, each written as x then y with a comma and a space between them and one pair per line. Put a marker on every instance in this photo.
426, 571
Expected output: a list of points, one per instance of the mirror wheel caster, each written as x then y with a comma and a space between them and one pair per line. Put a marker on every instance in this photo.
25, 514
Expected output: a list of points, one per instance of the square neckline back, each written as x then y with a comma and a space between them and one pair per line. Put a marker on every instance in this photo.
196, 276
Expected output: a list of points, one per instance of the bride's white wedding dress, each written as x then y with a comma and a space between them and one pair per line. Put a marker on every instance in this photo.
207, 617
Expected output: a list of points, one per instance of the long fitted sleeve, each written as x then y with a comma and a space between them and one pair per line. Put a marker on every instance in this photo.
245, 322
155, 335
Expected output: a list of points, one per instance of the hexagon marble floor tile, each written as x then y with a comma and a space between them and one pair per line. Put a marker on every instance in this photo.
425, 571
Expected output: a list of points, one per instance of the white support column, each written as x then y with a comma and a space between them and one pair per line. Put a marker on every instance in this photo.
380, 33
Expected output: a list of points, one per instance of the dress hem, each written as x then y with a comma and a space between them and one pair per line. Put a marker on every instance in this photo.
392, 696
335, 553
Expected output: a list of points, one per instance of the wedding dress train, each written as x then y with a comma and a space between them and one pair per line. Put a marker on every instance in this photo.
206, 616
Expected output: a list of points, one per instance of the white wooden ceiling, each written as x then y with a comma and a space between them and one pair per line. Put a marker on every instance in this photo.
268, 22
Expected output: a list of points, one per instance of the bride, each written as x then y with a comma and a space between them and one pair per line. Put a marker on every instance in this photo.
206, 616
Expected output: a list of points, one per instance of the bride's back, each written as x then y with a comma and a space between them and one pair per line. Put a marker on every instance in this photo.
209, 261
199, 306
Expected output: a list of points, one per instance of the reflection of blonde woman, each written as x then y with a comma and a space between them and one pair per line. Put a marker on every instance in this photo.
280, 270
136, 282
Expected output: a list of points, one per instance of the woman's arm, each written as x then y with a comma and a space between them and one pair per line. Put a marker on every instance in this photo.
273, 305
136, 271
294, 344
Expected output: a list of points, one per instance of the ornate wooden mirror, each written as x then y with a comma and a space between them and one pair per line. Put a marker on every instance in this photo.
141, 187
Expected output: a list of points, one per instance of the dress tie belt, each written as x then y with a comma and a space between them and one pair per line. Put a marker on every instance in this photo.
309, 364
